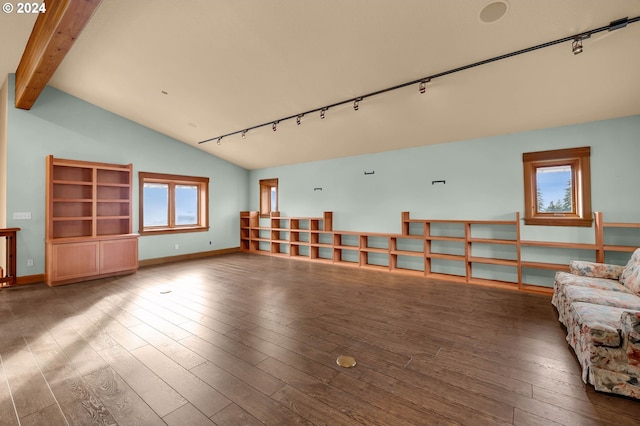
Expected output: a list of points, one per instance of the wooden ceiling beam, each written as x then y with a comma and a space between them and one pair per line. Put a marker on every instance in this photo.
52, 36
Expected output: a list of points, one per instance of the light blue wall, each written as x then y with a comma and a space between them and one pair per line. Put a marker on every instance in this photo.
484, 180
68, 127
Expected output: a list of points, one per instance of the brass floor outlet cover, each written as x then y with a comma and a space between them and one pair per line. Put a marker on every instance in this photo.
346, 361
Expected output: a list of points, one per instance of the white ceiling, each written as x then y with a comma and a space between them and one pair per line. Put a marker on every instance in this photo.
229, 65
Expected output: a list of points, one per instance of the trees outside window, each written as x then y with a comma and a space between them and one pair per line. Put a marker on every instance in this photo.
557, 187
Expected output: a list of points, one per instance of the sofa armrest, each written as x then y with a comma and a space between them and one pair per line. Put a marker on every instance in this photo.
595, 270
630, 322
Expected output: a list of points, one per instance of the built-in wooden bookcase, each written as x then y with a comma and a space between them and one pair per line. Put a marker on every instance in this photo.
486, 252
89, 221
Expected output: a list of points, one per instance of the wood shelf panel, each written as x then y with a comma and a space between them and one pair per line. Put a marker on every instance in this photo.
374, 250
555, 244
445, 256
628, 249
407, 253
113, 226
346, 247
72, 218
407, 236
444, 238
73, 228
544, 265
493, 261
493, 241
113, 209
620, 225
60, 192
72, 173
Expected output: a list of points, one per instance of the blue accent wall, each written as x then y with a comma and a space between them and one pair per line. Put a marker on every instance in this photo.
484, 180
67, 127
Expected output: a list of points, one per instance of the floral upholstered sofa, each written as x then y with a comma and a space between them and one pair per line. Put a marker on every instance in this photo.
599, 304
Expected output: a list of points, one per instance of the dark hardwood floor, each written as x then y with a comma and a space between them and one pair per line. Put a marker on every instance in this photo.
247, 340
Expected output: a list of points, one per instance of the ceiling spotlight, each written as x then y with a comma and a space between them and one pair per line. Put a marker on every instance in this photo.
356, 104
219, 140
299, 119
244, 134
576, 46
423, 85
274, 126
323, 112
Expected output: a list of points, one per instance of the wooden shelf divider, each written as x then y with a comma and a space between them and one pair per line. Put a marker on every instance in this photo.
419, 239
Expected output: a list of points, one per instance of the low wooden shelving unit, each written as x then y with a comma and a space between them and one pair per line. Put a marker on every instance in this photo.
420, 249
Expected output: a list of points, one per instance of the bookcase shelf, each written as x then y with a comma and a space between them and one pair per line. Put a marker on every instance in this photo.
470, 249
89, 221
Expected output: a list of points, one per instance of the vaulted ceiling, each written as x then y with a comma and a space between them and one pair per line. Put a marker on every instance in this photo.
201, 69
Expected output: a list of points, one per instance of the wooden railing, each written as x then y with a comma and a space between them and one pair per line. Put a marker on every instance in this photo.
8, 278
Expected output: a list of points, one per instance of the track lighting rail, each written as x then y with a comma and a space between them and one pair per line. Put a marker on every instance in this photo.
575, 39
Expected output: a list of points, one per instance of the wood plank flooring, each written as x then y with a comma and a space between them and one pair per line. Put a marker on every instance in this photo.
245, 339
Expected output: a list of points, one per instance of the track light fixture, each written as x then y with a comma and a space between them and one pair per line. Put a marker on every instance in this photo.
423, 85
576, 48
244, 134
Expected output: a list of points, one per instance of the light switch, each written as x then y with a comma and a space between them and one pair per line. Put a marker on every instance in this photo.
21, 215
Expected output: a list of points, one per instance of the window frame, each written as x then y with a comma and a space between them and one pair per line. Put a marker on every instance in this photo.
579, 161
202, 184
265, 196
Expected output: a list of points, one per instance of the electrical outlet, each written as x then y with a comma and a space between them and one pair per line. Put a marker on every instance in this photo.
21, 215
177, 246
29, 262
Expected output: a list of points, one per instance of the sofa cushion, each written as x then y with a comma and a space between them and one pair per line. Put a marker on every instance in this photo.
597, 270
630, 276
600, 323
632, 280
618, 299
565, 278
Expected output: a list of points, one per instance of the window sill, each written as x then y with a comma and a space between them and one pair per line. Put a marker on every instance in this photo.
158, 231
558, 221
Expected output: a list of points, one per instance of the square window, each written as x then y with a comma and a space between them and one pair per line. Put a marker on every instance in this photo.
557, 187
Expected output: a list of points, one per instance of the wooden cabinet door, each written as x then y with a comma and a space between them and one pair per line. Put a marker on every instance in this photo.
74, 260
118, 255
